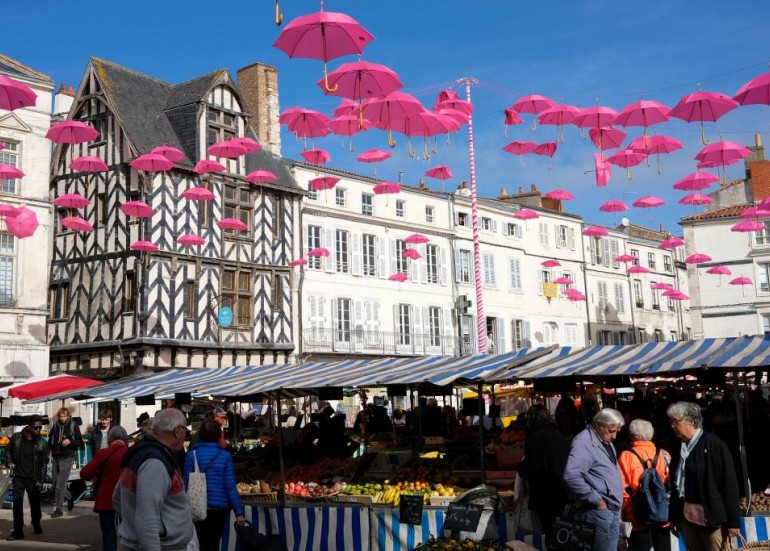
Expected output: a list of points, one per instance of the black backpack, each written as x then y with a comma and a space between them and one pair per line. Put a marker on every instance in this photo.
650, 500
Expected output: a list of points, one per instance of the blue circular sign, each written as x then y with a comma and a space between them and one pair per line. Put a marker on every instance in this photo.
225, 316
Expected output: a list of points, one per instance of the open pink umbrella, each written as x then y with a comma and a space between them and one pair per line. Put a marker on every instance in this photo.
323, 35
171, 153
532, 104
748, 226
8, 211
455, 103
347, 107
671, 243
289, 114
643, 113
696, 181
755, 92
575, 297
547, 149
550, 263
399, 277
525, 214
559, 195
198, 194
625, 258
655, 145
638, 270
9, 172
318, 252
440, 172
678, 295
414, 254
626, 158
88, 164
603, 170
373, 156
137, 209
613, 206
595, 117
232, 224
359, 80
251, 145
606, 137
23, 224
144, 246
152, 162
393, 107
563, 281
76, 223
227, 149
696, 199
323, 183
71, 132
260, 177
520, 148
595, 231
15, 94
349, 125
308, 123
661, 287
755, 212
720, 271
742, 281
511, 118
386, 188
71, 201
316, 156
190, 240
559, 116
416, 239
697, 258
207, 167
703, 106
722, 153
648, 202
298, 262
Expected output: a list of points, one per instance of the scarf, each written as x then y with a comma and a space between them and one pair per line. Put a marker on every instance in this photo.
687, 448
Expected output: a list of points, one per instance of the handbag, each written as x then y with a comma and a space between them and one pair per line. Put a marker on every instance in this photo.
197, 495
527, 520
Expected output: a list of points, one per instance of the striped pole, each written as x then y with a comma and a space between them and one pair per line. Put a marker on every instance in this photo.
481, 320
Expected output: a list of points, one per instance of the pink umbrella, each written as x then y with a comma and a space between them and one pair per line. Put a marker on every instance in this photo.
206, 166
661, 287
2, 146
400, 277
316, 156
386, 188
520, 148
755, 92
23, 224
624, 258
613, 206
252, 146
606, 137
232, 224
532, 104
558, 115
359, 80
88, 164
742, 281
458, 117
755, 212
171, 153
648, 202
198, 194
71, 132
455, 103
440, 172
626, 158
707, 164
678, 295
349, 125
697, 258
309, 124
603, 170
137, 209
8, 211
8, 172
414, 254
703, 106
576, 297
671, 243
395, 106
298, 262
595, 231
638, 270
643, 113
76, 223
720, 271
547, 149
550, 264
596, 117
289, 114
260, 176
347, 107
512, 118
71, 201
696, 199
526, 214
416, 239
722, 153
323, 35
696, 181
318, 252
373, 156
152, 162
15, 94
563, 281
228, 149
144, 246
655, 145
190, 240
559, 195
323, 183
748, 226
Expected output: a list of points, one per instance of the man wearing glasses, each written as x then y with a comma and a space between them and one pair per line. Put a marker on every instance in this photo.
27, 456
150, 498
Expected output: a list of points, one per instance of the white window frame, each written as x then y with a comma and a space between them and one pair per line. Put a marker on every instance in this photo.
400, 208
562, 236
570, 334
651, 261
367, 204
343, 320
404, 324
635, 254
762, 238
602, 296
7, 269
312, 195
430, 214
314, 242
342, 251
763, 277
668, 265
11, 155
369, 255
486, 223
550, 333
341, 196
463, 219
465, 265
434, 326
402, 263
431, 263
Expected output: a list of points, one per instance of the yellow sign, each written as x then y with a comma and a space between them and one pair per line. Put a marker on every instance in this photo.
550, 290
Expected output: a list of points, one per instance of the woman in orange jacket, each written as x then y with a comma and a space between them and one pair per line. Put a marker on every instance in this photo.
643, 537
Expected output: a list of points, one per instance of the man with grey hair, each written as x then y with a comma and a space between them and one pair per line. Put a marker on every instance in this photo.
150, 496
704, 492
632, 463
593, 480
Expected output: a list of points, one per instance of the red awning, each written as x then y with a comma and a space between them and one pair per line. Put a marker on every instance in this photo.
50, 386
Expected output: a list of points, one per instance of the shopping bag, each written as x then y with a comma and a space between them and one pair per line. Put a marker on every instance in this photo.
5, 485
251, 540
527, 520
196, 492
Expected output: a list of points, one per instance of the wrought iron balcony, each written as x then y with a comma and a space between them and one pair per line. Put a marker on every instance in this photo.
358, 341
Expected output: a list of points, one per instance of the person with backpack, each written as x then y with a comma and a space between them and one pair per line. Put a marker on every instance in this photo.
644, 472
65, 440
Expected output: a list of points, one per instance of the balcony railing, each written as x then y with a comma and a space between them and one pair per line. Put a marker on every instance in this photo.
358, 341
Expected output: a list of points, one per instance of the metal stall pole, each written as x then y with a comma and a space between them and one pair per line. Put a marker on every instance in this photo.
741, 443
282, 490
481, 434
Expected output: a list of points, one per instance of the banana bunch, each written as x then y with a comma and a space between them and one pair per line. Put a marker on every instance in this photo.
392, 495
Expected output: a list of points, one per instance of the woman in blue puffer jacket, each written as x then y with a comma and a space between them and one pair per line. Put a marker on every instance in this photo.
221, 491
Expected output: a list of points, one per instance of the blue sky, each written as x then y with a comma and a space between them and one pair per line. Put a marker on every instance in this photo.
572, 51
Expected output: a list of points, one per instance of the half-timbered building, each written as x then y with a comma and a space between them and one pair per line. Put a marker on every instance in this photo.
116, 311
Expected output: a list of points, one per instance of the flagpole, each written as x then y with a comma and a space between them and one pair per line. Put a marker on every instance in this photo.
481, 320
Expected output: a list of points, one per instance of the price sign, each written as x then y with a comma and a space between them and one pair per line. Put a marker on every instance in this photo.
572, 535
410, 509
462, 516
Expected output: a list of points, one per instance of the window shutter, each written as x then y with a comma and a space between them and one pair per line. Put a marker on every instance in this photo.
447, 330
620, 302
306, 233
500, 336
606, 251
494, 225
458, 265
393, 257
572, 239
321, 310
540, 282
506, 229
614, 252
382, 254
313, 309
543, 234
376, 315
422, 264
442, 266
416, 327
357, 260
515, 274
334, 318
527, 339
519, 231
557, 236
592, 249
358, 314
396, 321
329, 245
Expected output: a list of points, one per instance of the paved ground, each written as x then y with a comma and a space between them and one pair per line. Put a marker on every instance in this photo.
77, 530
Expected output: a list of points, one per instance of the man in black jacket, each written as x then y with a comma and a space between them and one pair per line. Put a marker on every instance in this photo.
27, 456
704, 485
99, 438
65, 440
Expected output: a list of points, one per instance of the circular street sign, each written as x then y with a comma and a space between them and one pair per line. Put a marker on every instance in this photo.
225, 316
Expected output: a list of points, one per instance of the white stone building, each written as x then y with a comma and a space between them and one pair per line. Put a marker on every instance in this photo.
24, 352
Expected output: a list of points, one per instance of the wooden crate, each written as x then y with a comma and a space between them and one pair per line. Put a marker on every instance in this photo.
362, 499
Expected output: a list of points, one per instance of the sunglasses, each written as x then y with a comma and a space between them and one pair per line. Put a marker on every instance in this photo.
37, 427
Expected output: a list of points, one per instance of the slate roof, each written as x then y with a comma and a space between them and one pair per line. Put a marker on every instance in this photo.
154, 112
13, 68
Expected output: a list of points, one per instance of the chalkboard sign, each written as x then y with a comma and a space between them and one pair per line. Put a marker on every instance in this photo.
463, 517
410, 509
569, 535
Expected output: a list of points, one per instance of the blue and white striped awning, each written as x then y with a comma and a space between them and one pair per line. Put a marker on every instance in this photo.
573, 363
540, 361
692, 355
633, 359
748, 352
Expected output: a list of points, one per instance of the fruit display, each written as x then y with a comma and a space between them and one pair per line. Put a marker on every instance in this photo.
323, 471
313, 490
245, 488
368, 489
759, 502
450, 544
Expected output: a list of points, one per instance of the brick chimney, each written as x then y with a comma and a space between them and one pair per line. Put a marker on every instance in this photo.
503, 192
258, 84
